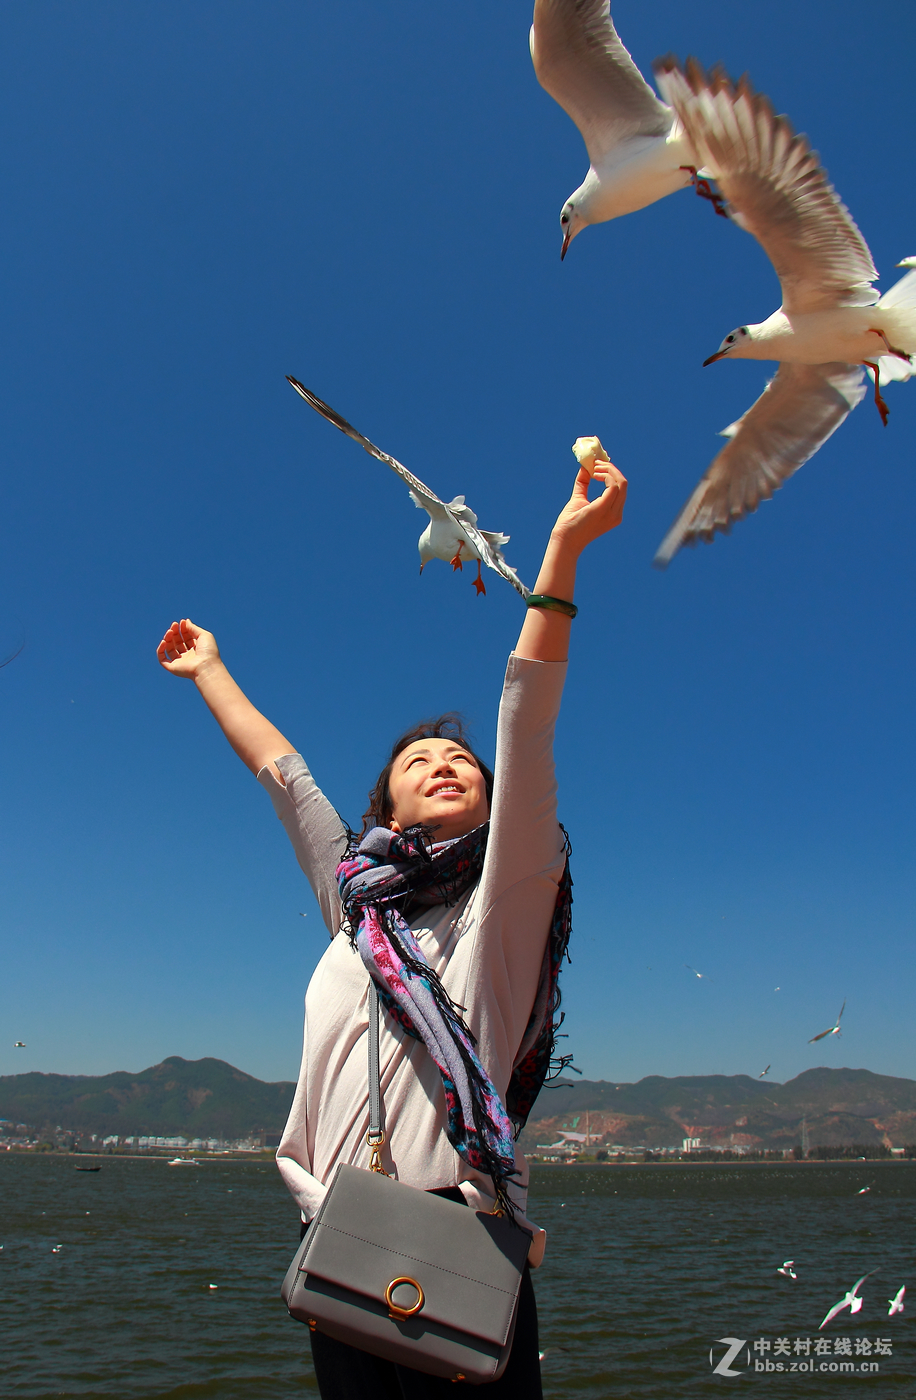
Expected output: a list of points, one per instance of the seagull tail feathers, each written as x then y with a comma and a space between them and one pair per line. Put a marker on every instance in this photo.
891, 367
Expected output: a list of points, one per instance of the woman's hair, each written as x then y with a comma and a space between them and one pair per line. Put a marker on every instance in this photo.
450, 726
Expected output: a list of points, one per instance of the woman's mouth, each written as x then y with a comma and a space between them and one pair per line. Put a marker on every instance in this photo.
445, 787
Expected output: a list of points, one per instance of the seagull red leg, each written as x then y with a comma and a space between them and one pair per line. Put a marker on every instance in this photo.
456, 561
478, 582
705, 190
879, 401
901, 354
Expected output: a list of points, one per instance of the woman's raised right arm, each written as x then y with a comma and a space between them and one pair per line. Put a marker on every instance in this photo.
318, 835
188, 651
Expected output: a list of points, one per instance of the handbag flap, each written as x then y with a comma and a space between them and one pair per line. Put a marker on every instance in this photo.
372, 1230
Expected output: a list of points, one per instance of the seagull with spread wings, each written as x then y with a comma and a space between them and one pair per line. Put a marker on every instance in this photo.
637, 149
832, 325
852, 1301
831, 1030
452, 532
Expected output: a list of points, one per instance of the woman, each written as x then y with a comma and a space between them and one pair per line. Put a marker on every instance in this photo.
479, 938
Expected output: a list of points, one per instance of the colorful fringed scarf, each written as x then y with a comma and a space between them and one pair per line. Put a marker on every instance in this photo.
386, 879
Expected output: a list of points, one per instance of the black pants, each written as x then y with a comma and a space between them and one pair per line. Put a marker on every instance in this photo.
346, 1373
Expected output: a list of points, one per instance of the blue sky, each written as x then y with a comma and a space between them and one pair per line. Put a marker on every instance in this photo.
199, 199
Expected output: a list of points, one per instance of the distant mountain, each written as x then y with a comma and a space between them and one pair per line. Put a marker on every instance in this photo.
196, 1098
838, 1107
209, 1098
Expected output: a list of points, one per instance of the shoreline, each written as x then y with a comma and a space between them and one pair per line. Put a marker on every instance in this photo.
269, 1156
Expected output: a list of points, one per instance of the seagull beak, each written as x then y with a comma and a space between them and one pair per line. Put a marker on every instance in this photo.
566, 242
720, 354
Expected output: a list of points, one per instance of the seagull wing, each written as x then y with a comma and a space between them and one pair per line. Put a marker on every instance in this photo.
840, 1017
484, 541
856, 1286
421, 494
775, 188
435, 510
837, 1307
462, 511
794, 416
581, 62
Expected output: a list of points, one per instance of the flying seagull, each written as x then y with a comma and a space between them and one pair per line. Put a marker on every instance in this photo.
763, 1073
637, 149
852, 1301
896, 1303
832, 325
831, 1030
787, 1269
19, 1045
704, 975
452, 532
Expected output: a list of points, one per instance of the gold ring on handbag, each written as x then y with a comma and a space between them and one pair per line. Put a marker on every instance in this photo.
394, 1309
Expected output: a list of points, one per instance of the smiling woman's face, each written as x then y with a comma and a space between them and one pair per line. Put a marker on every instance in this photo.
437, 783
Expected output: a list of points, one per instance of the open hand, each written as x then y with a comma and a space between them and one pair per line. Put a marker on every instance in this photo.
581, 521
186, 650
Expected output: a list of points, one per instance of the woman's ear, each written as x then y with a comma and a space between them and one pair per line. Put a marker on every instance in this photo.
393, 826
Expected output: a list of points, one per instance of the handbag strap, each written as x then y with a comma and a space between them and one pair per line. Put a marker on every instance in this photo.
375, 1138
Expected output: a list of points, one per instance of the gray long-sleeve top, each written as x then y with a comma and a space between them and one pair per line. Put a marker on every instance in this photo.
488, 949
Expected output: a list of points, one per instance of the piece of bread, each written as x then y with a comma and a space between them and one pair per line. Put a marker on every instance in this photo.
587, 451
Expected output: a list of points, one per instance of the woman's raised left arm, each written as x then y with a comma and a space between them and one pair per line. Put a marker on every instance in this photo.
545, 632
525, 840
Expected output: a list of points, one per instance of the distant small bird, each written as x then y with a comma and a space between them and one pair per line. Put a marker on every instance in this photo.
896, 1303
213, 1286
832, 324
787, 1269
831, 1030
56, 1249
763, 1073
863, 1190
697, 974
852, 1301
638, 151
452, 532
19, 1045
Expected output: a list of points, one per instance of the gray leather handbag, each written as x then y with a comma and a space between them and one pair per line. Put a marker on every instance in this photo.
406, 1275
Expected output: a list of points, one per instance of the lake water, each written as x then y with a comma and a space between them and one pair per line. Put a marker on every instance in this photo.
647, 1268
